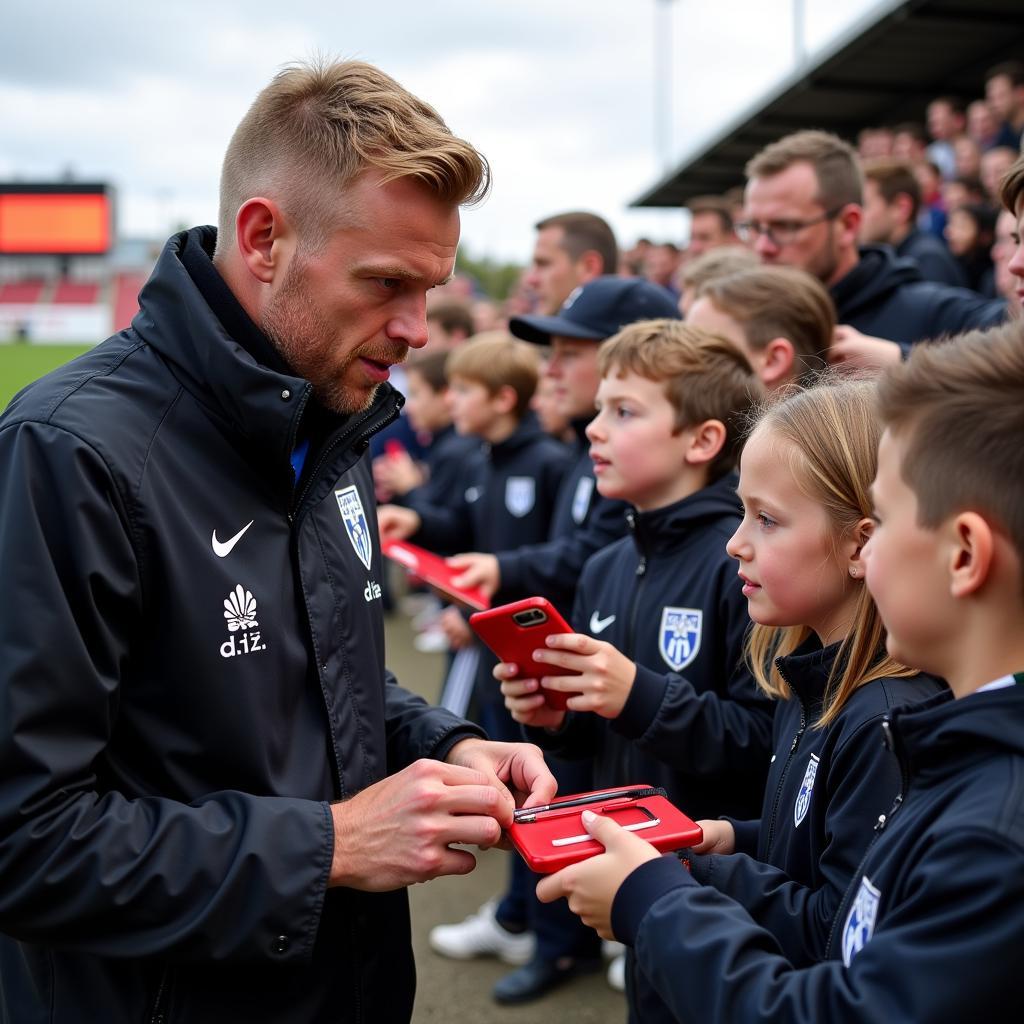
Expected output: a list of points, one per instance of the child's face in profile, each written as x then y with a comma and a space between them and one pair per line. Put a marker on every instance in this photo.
905, 568
470, 405
426, 408
794, 570
637, 455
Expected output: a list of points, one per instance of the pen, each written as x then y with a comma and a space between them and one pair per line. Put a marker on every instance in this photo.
526, 815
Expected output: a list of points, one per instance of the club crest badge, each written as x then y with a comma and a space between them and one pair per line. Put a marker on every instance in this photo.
581, 499
354, 518
860, 921
803, 798
679, 636
520, 495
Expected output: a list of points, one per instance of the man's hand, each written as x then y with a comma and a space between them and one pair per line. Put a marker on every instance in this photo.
478, 570
397, 523
524, 700
590, 885
719, 837
605, 677
518, 767
855, 351
398, 830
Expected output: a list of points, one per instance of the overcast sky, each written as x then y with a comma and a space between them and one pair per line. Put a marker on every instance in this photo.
558, 94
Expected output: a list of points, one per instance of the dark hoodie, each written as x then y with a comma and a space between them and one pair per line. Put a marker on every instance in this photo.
886, 297
930, 928
669, 598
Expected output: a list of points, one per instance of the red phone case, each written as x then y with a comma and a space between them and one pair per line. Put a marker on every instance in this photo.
538, 842
514, 643
433, 569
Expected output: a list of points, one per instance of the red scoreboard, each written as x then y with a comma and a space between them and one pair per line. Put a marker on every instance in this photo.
70, 219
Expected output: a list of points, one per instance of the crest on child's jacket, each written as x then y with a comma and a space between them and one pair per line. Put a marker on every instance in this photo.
520, 494
679, 636
860, 921
581, 498
803, 798
354, 518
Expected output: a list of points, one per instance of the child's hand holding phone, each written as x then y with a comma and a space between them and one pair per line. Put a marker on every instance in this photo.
524, 699
605, 675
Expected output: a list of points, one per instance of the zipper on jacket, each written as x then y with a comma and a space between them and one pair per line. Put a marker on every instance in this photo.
785, 768
640, 578
877, 829
159, 1012
371, 424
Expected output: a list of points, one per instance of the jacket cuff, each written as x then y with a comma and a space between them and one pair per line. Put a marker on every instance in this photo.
641, 890
746, 833
642, 704
510, 576
464, 731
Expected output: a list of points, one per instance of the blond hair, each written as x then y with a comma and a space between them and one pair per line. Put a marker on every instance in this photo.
833, 431
958, 404
496, 360
778, 302
720, 262
1011, 188
834, 162
705, 376
317, 126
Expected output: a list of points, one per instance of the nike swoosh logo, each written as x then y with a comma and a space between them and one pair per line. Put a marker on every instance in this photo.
221, 550
599, 625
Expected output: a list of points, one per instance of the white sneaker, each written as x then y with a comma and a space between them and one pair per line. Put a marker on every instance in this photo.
431, 641
610, 949
617, 973
481, 935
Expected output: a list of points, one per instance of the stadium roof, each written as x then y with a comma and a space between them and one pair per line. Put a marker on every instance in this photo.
882, 71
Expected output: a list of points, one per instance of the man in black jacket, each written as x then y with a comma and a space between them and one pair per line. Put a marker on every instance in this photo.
212, 792
804, 207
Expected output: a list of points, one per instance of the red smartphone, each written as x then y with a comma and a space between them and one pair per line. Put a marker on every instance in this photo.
433, 569
514, 631
554, 836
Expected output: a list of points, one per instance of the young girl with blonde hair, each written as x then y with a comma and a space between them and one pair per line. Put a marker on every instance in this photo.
818, 646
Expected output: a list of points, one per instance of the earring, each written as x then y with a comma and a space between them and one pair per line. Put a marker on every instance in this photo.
854, 572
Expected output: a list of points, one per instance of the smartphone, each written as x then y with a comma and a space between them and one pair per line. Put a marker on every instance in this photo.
514, 631
433, 569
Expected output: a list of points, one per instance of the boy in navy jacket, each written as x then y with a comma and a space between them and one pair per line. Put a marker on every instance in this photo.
662, 671
930, 924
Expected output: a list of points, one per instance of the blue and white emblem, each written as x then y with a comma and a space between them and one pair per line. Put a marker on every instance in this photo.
354, 518
803, 798
679, 636
860, 921
581, 498
520, 494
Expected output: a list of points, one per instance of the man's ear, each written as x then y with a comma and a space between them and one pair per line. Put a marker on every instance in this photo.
972, 547
259, 229
778, 357
707, 441
849, 220
591, 265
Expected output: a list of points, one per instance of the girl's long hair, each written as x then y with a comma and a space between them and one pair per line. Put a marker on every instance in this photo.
832, 430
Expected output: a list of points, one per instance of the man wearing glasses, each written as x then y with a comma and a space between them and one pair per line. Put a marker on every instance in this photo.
803, 208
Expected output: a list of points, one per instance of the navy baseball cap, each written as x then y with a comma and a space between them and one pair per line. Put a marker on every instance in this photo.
599, 309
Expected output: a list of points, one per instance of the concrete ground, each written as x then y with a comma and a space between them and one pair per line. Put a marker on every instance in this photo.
450, 989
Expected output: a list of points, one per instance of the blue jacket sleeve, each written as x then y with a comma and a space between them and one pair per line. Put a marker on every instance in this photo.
83, 864
727, 730
963, 909
553, 567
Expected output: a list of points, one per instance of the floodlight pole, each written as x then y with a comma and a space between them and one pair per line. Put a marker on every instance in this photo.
663, 82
